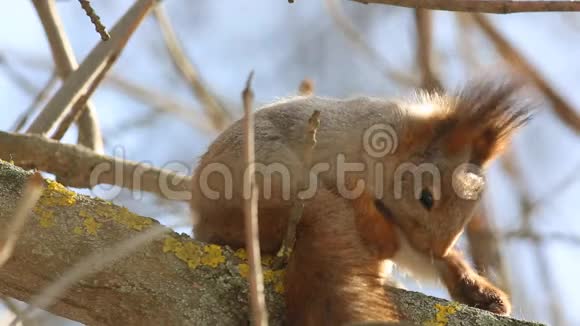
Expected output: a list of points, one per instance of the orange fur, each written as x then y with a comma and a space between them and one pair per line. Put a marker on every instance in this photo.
333, 276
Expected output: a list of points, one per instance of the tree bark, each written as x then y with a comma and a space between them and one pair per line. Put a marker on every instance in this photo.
172, 280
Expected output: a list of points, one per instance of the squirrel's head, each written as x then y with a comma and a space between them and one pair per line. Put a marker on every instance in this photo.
445, 144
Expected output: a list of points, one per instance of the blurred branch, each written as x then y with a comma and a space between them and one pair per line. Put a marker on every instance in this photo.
18, 78
485, 6
542, 237
345, 25
81, 103
38, 99
563, 110
79, 167
424, 27
257, 300
465, 41
95, 19
160, 102
542, 263
96, 61
217, 114
484, 248
65, 63
30, 195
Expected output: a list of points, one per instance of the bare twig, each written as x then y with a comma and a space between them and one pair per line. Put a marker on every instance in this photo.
465, 41
217, 114
95, 19
80, 105
18, 78
30, 196
258, 302
90, 265
542, 265
161, 102
92, 65
350, 32
306, 87
298, 205
563, 110
65, 63
38, 99
486, 6
484, 248
424, 50
156, 99
542, 237
79, 167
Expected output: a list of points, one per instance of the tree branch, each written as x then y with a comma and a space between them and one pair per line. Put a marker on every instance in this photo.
216, 113
563, 109
79, 167
169, 281
485, 6
65, 63
92, 66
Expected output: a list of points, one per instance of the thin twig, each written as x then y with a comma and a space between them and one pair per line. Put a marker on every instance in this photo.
161, 102
542, 265
297, 208
484, 248
73, 86
89, 134
467, 50
18, 78
423, 23
90, 265
563, 109
79, 167
217, 114
258, 303
357, 40
38, 99
80, 105
485, 6
30, 195
95, 19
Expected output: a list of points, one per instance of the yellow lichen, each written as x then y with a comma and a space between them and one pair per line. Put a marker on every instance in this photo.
244, 270
275, 278
213, 256
46, 217
54, 195
443, 313
193, 254
108, 211
241, 254
267, 260
91, 226
78, 230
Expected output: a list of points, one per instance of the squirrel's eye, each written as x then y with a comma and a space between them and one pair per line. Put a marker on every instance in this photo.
426, 199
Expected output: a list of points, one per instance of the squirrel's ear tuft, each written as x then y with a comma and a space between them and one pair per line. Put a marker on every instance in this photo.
485, 114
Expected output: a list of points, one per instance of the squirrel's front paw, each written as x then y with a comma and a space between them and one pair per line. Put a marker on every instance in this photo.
477, 292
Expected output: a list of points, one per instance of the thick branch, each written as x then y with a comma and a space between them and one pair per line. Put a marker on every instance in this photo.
170, 281
79, 167
485, 6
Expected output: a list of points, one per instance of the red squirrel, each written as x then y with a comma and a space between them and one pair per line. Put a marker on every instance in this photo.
390, 181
